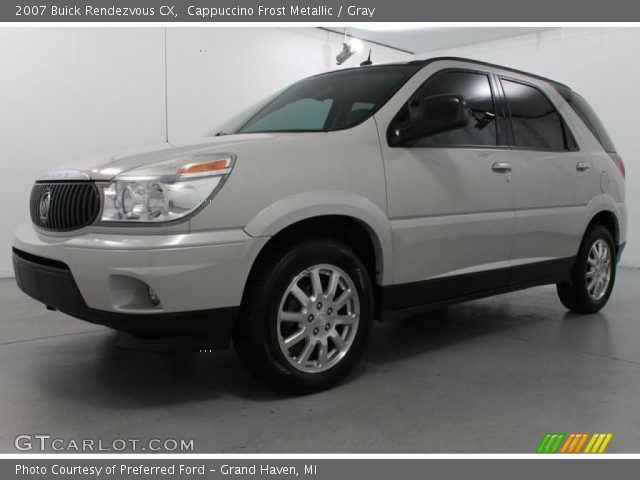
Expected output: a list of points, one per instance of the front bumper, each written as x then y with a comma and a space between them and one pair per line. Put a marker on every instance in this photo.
198, 278
51, 283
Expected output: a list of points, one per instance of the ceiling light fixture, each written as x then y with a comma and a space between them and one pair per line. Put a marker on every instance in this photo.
345, 54
349, 48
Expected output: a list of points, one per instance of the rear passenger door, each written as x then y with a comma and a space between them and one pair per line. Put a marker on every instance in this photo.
552, 179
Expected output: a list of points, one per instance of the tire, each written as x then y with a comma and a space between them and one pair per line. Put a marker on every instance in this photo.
274, 310
580, 294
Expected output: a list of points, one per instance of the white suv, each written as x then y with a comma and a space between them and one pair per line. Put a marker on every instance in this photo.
374, 192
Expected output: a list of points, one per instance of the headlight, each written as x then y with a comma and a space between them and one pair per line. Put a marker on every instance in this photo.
165, 191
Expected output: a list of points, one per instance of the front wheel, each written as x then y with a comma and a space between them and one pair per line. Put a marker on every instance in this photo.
593, 274
305, 316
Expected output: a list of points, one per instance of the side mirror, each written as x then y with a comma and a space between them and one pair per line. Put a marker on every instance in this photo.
431, 115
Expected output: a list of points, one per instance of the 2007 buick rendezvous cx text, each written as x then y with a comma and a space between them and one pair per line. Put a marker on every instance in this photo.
374, 192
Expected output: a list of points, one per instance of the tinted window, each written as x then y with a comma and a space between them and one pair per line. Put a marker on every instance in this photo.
311, 114
536, 123
591, 120
475, 89
331, 101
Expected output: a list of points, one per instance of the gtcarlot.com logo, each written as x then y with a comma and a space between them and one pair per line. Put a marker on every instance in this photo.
49, 443
574, 443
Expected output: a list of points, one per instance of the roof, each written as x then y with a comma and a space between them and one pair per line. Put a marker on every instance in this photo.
564, 90
561, 88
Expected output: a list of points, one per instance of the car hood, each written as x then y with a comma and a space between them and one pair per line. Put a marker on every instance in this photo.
105, 167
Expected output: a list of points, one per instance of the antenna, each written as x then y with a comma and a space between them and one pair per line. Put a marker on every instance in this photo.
368, 61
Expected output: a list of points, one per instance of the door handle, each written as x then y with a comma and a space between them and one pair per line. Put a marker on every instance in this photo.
501, 167
582, 166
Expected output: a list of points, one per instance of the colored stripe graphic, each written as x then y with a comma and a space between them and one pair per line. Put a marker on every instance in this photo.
581, 443
573, 442
551, 442
569, 443
598, 443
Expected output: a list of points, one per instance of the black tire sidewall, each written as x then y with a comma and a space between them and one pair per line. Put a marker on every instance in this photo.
578, 280
263, 309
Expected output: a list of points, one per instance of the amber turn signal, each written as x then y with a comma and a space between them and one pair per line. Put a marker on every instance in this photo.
203, 167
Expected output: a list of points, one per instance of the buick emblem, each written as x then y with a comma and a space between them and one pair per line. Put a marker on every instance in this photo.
45, 204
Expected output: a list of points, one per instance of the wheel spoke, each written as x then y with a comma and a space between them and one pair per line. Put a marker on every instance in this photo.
316, 283
338, 341
300, 296
345, 319
333, 285
297, 317
323, 352
306, 353
342, 300
294, 339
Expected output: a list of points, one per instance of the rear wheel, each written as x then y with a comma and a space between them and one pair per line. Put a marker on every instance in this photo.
593, 274
305, 316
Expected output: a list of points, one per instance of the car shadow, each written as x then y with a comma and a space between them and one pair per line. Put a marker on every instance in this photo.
135, 377
438, 329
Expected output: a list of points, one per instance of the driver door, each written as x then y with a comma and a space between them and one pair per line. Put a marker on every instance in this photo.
450, 194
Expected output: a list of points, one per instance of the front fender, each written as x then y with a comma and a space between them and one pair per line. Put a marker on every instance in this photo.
295, 208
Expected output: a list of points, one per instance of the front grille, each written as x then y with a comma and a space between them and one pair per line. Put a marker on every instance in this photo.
63, 206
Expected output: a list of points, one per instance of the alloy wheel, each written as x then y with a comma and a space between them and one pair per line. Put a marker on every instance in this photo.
318, 318
599, 266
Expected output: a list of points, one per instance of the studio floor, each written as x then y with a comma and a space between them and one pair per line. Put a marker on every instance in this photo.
486, 376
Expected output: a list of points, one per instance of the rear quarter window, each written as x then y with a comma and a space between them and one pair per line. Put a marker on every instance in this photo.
592, 121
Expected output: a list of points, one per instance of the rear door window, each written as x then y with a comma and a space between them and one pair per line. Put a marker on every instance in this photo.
535, 121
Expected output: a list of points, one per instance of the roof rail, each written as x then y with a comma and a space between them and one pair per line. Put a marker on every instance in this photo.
561, 88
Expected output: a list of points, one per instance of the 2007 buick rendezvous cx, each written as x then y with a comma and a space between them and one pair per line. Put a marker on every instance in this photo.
374, 192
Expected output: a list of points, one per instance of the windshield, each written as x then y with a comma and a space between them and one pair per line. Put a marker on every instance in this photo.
332, 101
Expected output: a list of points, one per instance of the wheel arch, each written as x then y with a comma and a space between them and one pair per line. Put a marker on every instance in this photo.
353, 219
609, 220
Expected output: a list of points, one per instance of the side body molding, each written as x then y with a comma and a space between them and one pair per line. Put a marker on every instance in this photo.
303, 206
